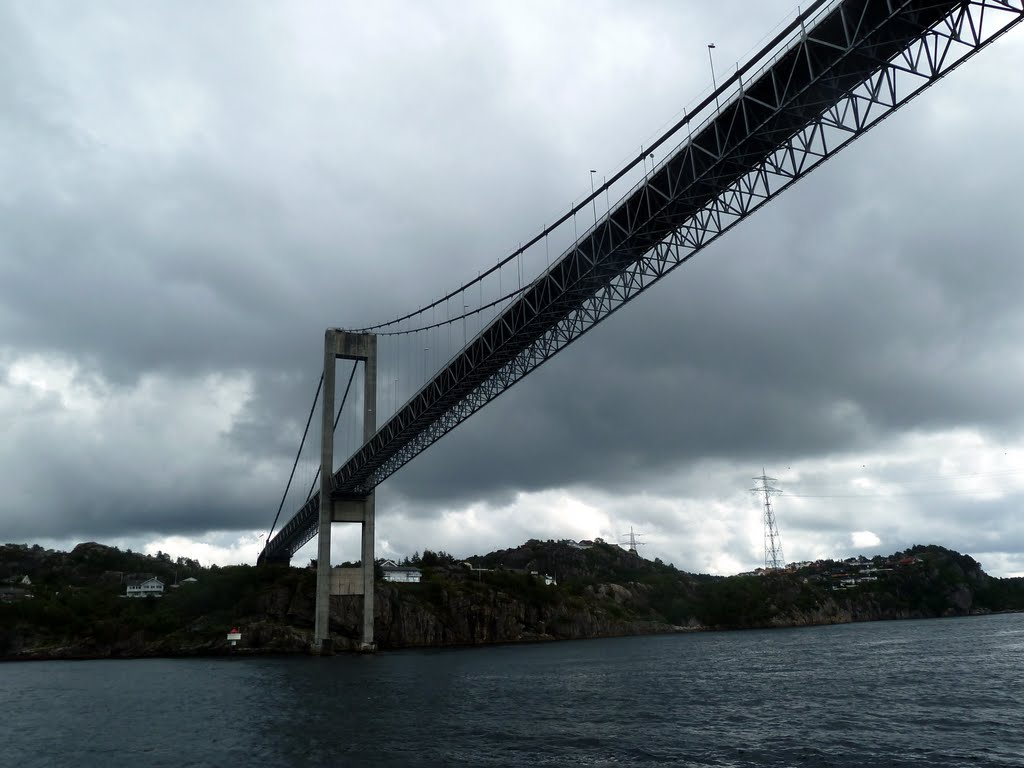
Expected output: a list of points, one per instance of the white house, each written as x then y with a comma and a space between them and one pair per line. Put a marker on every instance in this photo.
401, 573
149, 587
548, 580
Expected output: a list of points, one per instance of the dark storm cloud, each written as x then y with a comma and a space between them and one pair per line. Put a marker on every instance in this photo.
215, 254
893, 307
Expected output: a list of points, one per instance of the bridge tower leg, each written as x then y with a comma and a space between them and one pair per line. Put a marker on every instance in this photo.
360, 347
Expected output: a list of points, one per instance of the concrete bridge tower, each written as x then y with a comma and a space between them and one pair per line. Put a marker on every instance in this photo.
362, 347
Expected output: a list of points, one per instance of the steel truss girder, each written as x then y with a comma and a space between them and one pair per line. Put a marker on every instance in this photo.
860, 63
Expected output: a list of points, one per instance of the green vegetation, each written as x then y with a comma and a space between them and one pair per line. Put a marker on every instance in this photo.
80, 595
75, 604
921, 581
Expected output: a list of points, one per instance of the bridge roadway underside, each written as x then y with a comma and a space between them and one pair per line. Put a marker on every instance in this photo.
857, 47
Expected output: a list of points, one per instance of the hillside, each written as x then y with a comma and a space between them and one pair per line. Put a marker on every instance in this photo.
73, 606
921, 582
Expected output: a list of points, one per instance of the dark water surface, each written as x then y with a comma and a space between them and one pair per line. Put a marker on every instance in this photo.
916, 693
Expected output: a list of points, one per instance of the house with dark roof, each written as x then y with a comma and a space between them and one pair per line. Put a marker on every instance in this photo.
403, 574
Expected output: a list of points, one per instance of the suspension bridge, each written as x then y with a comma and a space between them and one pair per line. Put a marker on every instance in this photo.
834, 72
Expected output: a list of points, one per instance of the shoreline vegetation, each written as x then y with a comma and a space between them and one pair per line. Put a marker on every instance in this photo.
72, 605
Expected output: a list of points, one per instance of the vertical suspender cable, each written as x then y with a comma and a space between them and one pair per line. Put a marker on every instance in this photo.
336, 420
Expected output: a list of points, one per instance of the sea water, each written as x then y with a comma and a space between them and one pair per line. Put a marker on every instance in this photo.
944, 692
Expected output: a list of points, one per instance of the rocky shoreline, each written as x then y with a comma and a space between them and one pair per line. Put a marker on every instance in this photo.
603, 592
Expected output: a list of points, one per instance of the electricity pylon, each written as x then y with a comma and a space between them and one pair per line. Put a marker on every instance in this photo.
633, 543
773, 557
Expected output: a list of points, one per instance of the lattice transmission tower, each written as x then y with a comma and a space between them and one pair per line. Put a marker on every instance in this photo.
773, 557
633, 543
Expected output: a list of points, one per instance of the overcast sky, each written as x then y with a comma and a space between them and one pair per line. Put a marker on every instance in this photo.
193, 192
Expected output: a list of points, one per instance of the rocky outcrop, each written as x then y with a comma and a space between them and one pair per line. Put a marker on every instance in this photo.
452, 617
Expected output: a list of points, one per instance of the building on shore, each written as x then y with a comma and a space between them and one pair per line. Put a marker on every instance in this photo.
402, 574
145, 588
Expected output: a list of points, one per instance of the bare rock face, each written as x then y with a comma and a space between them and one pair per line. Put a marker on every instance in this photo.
616, 592
826, 612
960, 600
455, 618
274, 637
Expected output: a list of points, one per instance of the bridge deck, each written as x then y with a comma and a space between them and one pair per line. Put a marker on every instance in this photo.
845, 46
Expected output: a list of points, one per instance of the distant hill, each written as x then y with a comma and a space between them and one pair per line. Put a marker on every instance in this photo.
71, 604
89, 564
921, 582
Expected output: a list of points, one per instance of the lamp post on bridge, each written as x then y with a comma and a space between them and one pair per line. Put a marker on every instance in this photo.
646, 156
714, 85
593, 200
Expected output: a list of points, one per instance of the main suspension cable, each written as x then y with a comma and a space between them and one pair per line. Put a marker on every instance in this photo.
309, 420
713, 97
464, 315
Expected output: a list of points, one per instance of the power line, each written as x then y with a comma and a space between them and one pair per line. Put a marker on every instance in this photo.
907, 494
921, 479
